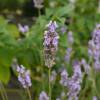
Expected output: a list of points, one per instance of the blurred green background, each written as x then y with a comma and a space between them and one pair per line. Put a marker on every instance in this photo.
79, 16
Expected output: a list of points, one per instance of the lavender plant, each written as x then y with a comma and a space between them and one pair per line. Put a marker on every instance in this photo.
94, 55
50, 47
72, 83
82, 14
50, 44
24, 78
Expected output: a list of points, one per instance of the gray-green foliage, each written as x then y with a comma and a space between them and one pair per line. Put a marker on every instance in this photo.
29, 50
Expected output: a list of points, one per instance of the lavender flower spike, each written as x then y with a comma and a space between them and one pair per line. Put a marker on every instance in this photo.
94, 47
43, 96
24, 76
64, 78
74, 82
50, 43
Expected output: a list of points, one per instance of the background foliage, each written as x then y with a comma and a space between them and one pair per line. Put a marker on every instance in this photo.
79, 17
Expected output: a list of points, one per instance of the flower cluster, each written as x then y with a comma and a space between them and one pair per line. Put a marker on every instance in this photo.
72, 83
24, 76
50, 43
94, 47
43, 96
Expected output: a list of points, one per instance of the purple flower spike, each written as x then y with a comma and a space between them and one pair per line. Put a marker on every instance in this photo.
94, 47
24, 76
74, 82
50, 43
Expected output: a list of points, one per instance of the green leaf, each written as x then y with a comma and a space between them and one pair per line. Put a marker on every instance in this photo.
4, 74
13, 30
62, 11
6, 56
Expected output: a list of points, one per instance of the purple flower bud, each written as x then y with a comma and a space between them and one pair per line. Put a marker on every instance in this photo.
43, 96
53, 76
23, 29
70, 38
63, 30
68, 54
52, 26
58, 99
64, 78
97, 65
94, 98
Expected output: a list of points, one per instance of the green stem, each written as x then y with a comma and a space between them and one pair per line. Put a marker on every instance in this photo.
5, 94
49, 83
29, 94
94, 85
2, 95
41, 57
39, 12
64, 98
3, 98
93, 75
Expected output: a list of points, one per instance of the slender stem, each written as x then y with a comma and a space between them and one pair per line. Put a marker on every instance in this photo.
63, 97
29, 94
41, 57
94, 85
3, 97
5, 94
39, 12
49, 83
